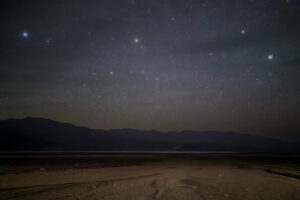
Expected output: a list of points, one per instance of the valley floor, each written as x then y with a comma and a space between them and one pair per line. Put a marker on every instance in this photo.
164, 178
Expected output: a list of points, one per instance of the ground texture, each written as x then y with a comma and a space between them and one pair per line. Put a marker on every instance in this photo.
169, 179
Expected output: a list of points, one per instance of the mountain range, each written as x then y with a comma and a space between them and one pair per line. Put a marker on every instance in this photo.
38, 134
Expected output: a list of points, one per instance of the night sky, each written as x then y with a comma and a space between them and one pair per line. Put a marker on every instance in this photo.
229, 65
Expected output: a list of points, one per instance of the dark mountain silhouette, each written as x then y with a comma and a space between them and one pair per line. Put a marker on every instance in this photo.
36, 134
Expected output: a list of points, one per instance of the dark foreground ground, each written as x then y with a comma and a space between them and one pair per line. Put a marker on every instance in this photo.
149, 176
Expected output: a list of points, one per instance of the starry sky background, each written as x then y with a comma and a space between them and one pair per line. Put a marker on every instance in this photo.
154, 64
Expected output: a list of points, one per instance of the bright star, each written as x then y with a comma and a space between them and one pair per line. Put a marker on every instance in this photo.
243, 32
25, 34
111, 73
136, 40
270, 57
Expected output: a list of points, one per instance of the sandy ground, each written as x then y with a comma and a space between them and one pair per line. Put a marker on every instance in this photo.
164, 179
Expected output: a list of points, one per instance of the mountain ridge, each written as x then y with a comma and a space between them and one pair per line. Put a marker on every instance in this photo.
38, 134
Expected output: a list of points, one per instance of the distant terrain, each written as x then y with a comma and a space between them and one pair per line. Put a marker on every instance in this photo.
37, 134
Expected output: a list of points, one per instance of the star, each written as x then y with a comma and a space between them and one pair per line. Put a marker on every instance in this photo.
111, 73
49, 41
136, 40
25, 34
270, 57
243, 32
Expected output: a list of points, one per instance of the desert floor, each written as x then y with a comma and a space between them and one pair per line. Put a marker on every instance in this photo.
150, 177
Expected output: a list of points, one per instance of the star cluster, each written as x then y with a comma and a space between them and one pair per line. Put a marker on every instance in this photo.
159, 64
